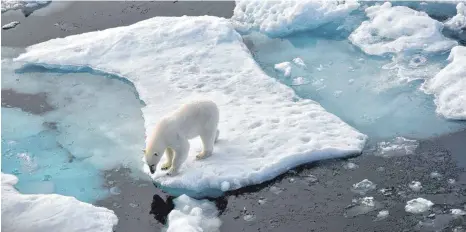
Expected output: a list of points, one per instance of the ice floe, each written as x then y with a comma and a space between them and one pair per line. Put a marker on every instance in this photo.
399, 29
193, 215
418, 205
20, 4
265, 128
280, 18
10, 25
397, 147
50, 212
449, 86
363, 187
415, 186
458, 22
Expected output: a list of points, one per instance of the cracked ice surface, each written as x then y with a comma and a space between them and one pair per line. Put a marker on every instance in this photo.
177, 59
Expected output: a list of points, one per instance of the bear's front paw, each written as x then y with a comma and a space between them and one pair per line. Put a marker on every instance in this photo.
166, 166
172, 172
203, 154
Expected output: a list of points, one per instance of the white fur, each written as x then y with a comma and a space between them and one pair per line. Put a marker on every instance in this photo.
171, 134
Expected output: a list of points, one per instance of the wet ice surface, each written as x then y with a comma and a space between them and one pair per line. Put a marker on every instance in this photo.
364, 91
81, 122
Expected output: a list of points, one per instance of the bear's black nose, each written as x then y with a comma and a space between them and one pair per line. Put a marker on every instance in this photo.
152, 168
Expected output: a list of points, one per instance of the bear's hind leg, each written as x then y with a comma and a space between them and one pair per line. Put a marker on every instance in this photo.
208, 139
168, 164
181, 153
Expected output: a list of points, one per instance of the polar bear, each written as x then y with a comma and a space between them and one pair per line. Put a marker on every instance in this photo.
171, 134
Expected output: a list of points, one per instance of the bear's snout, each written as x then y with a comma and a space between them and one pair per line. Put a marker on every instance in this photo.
152, 168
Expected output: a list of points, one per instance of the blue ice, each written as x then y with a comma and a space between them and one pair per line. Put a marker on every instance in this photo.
360, 89
95, 125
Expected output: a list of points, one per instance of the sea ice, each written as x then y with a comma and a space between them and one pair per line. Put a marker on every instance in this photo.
458, 22
458, 212
193, 215
382, 215
363, 187
397, 147
362, 206
418, 205
280, 18
284, 68
10, 25
50, 212
257, 141
20, 4
399, 29
415, 186
449, 86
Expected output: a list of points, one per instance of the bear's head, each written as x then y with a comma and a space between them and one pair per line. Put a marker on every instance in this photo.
152, 155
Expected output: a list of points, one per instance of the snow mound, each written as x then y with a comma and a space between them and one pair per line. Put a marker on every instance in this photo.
265, 129
50, 212
283, 17
418, 205
399, 29
458, 22
193, 215
449, 86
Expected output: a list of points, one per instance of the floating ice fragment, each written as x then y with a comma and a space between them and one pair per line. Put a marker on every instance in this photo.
380, 169
10, 25
133, 205
298, 61
399, 29
350, 166
115, 191
291, 180
418, 205
435, 175
362, 206
299, 81
382, 215
262, 201
249, 217
415, 186
397, 147
284, 68
276, 190
451, 181
311, 178
458, 212
363, 187
458, 22
50, 212
193, 215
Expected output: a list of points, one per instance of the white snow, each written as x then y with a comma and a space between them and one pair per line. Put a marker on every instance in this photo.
418, 205
415, 186
458, 212
190, 215
50, 212
458, 22
363, 187
284, 68
265, 129
399, 29
18, 4
10, 25
283, 17
449, 86
398, 146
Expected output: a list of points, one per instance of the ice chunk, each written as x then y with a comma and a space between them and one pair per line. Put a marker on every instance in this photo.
10, 25
415, 186
363, 187
193, 215
399, 29
449, 86
435, 175
284, 68
298, 61
280, 18
362, 206
458, 212
418, 205
382, 215
299, 81
350, 166
257, 142
50, 212
458, 22
396, 147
